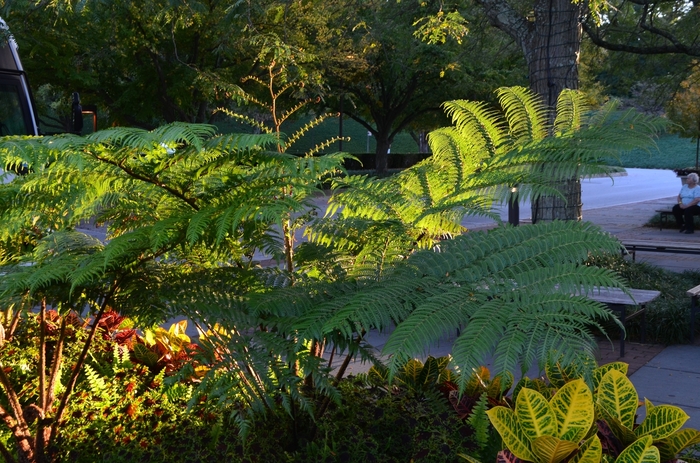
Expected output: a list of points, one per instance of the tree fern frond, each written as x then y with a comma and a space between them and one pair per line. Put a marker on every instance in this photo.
478, 125
571, 108
526, 113
246, 119
315, 122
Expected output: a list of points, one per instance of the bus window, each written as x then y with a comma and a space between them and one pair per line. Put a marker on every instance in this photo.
12, 118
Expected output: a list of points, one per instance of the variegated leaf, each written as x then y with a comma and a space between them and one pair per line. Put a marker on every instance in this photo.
679, 440
559, 374
599, 372
535, 415
662, 421
573, 407
469, 458
505, 422
501, 383
589, 452
617, 395
536, 384
412, 369
624, 434
641, 451
430, 372
477, 381
550, 449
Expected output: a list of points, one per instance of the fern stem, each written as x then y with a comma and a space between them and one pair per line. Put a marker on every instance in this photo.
190, 201
42, 355
56, 365
13, 325
77, 369
339, 375
16, 423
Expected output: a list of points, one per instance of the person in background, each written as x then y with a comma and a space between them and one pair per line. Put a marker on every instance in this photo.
687, 206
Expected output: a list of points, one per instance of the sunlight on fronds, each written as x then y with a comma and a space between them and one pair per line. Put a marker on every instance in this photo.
526, 113
247, 119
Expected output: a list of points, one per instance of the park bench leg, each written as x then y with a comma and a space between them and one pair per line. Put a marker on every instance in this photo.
622, 310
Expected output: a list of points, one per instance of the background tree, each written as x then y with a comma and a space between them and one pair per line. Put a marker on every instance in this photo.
549, 33
388, 78
684, 110
141, 65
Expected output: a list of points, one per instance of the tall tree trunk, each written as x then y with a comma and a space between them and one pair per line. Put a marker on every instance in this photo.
551, 42
381, 159
553, 66
552, 48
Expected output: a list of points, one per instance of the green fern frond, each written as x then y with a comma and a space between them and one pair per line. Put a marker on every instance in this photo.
97, 384
290, 111
571, 110
477, 125
326, 143
315, 122
525, 112
247, 119
189, 134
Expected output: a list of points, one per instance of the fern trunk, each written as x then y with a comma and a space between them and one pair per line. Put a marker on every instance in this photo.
549, 208
551, 44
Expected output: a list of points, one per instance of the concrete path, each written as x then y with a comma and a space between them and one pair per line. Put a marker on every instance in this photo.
672, 377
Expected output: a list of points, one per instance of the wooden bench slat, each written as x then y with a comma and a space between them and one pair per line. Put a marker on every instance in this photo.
617, 296
694, 291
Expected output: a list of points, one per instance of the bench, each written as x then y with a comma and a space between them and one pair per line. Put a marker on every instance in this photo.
617, 300
693, 293
664, 214
678, 247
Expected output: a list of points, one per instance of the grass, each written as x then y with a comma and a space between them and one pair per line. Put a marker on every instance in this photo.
671, 152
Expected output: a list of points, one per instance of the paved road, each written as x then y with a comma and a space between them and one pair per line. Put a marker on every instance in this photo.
636, 186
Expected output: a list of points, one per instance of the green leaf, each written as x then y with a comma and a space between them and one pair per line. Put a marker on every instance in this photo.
599, 372
641, 451
589, 452
617, 395
535, 414
679, 440
514, 438
661, 421
146, 356
551, 449
573, 407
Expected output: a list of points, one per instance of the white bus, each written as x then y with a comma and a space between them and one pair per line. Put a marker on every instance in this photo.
17, 109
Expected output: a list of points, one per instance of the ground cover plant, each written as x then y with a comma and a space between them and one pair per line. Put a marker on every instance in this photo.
191, 214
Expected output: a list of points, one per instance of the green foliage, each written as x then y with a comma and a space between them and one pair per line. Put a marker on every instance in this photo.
190, 215
387, 426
